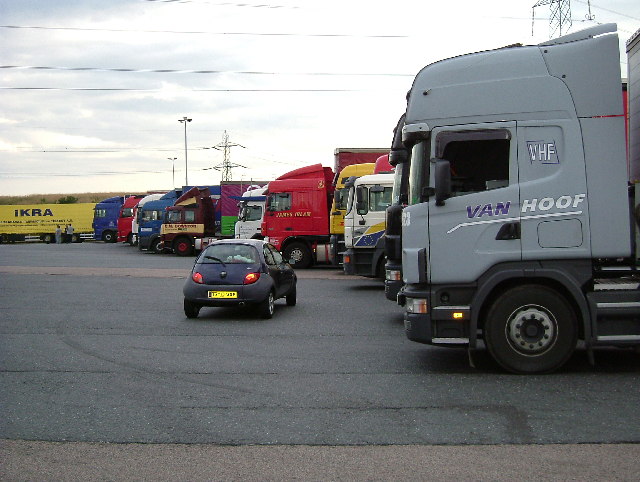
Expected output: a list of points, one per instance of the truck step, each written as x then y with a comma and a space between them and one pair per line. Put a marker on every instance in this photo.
617, 315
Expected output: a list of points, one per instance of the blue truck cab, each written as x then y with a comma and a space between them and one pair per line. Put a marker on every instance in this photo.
105, 219
150, 219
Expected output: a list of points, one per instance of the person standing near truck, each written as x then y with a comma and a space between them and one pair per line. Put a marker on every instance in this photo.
69, 231
58, 234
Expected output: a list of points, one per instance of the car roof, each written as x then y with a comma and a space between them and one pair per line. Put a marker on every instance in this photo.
251, 242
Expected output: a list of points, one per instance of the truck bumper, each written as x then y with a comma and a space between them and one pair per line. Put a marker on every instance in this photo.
360, 262
440, 325
392, 280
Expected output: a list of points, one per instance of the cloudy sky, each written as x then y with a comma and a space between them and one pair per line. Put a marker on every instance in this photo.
92, 90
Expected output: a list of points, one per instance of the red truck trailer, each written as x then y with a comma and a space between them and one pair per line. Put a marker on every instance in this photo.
296, 219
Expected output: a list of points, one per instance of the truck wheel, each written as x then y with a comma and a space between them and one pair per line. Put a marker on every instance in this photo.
48, 238
267, 307
109, 237
531, 329
183, 247
130, 239
298, 255
191, 310
154, 247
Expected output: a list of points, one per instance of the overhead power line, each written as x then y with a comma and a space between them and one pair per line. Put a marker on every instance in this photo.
204, 32
177, 71
110, 89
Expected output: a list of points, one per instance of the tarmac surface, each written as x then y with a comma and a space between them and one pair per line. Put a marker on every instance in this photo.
60, 460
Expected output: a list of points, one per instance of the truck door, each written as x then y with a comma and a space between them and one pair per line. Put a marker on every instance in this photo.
553, 191
478, 226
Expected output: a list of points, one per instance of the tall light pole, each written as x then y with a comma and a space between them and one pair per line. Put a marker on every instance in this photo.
184, 121
173, 170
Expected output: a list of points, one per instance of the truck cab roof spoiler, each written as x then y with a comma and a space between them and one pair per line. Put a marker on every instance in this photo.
582, 35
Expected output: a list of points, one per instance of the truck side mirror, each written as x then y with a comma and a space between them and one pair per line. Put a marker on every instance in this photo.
442, 181
361, 201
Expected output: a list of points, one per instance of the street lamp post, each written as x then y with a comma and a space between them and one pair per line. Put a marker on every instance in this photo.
184, 121
173, 170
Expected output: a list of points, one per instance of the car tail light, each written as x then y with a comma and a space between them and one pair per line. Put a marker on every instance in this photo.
251, 278
197, 277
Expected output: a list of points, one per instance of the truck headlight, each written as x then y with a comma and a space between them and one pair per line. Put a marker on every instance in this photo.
416, 305
393, 275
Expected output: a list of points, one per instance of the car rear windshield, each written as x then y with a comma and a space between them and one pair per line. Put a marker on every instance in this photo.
230, 253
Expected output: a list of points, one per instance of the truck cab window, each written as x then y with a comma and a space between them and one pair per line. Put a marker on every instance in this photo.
419, 174
189, 216
479, 159
279, 201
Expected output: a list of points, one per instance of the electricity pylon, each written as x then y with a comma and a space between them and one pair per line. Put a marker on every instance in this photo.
559, 16
226, 166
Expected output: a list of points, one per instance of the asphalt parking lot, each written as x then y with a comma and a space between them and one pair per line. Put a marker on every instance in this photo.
104, 378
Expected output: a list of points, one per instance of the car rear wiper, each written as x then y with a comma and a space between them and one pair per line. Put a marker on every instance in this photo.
216, 259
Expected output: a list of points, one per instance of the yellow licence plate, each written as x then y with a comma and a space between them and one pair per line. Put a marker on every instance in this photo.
223, 294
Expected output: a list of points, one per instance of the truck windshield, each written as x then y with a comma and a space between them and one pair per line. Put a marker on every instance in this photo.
419, 175
379, 200
341, 198
350, 198
173, 216
400, 178
153, 215
253, 213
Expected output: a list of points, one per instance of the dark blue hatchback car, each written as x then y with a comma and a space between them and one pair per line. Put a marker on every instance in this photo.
238, 272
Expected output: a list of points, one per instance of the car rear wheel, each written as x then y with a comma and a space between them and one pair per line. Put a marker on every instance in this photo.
267, 306
191, 309
291, 297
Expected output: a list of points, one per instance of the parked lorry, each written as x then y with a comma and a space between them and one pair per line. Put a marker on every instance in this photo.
339, 207
364, 222
125, 220
364, 225
519, 228
150, 219
250, 213
21, 222
399, 159
296, 219
135, 224
190, 224
105, 219
230, 191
